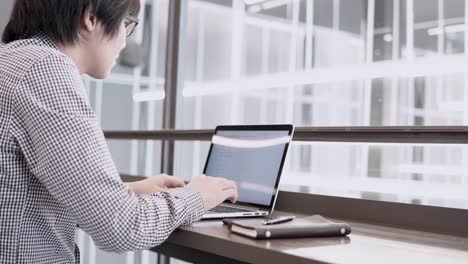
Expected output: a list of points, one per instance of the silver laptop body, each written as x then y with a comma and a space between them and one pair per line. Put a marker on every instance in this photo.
253, 157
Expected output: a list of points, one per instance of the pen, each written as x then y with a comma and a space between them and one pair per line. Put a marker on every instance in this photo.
278, 220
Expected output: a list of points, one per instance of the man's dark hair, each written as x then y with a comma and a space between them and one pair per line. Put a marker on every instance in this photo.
61, 19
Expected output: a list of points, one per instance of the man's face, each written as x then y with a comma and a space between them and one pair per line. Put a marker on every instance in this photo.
104, 51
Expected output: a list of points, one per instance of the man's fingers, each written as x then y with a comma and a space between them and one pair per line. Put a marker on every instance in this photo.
227, 184
172, 182
231, 195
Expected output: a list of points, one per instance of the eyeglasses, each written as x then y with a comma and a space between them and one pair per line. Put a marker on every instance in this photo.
131, 23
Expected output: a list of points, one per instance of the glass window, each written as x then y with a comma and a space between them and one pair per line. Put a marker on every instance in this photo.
132, 97
333, 63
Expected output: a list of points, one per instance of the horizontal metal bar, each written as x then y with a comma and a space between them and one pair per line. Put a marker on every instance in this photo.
168, 134
401, 134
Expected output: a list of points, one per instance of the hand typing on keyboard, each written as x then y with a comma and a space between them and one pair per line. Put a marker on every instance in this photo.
214, 190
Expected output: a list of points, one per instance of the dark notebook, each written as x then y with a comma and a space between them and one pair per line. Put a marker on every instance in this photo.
311, 226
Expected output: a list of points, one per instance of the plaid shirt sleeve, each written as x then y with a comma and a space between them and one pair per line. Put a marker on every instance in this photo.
65, 149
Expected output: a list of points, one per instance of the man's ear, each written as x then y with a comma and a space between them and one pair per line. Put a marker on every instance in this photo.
89, 21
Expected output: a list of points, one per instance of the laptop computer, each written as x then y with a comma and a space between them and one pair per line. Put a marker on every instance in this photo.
253, 157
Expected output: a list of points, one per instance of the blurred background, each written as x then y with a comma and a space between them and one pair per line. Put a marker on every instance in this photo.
313, 63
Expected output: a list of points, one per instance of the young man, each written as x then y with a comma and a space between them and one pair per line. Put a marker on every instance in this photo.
55, 167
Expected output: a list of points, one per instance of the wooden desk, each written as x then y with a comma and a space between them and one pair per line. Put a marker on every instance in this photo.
211, 242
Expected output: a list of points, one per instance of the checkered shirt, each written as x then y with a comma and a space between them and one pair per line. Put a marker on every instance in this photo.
56, 170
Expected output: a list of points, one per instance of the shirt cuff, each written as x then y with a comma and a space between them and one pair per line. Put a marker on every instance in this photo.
194, 202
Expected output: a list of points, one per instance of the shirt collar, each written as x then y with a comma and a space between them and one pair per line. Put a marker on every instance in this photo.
42, 39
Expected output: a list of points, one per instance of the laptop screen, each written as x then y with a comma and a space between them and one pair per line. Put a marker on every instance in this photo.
251, 158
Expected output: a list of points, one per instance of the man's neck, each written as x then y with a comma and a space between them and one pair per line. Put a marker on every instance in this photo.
75, 52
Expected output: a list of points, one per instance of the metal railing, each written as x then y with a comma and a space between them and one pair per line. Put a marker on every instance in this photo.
400, 134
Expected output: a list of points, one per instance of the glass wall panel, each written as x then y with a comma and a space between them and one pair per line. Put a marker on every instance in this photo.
333, 63
239, 57
132, 97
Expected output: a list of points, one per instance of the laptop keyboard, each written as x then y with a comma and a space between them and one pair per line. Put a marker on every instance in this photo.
227, 209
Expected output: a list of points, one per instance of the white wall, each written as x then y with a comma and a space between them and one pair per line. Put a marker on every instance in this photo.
5, 9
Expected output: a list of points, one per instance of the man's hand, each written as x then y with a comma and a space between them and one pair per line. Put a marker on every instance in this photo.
214, 190
156, 184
